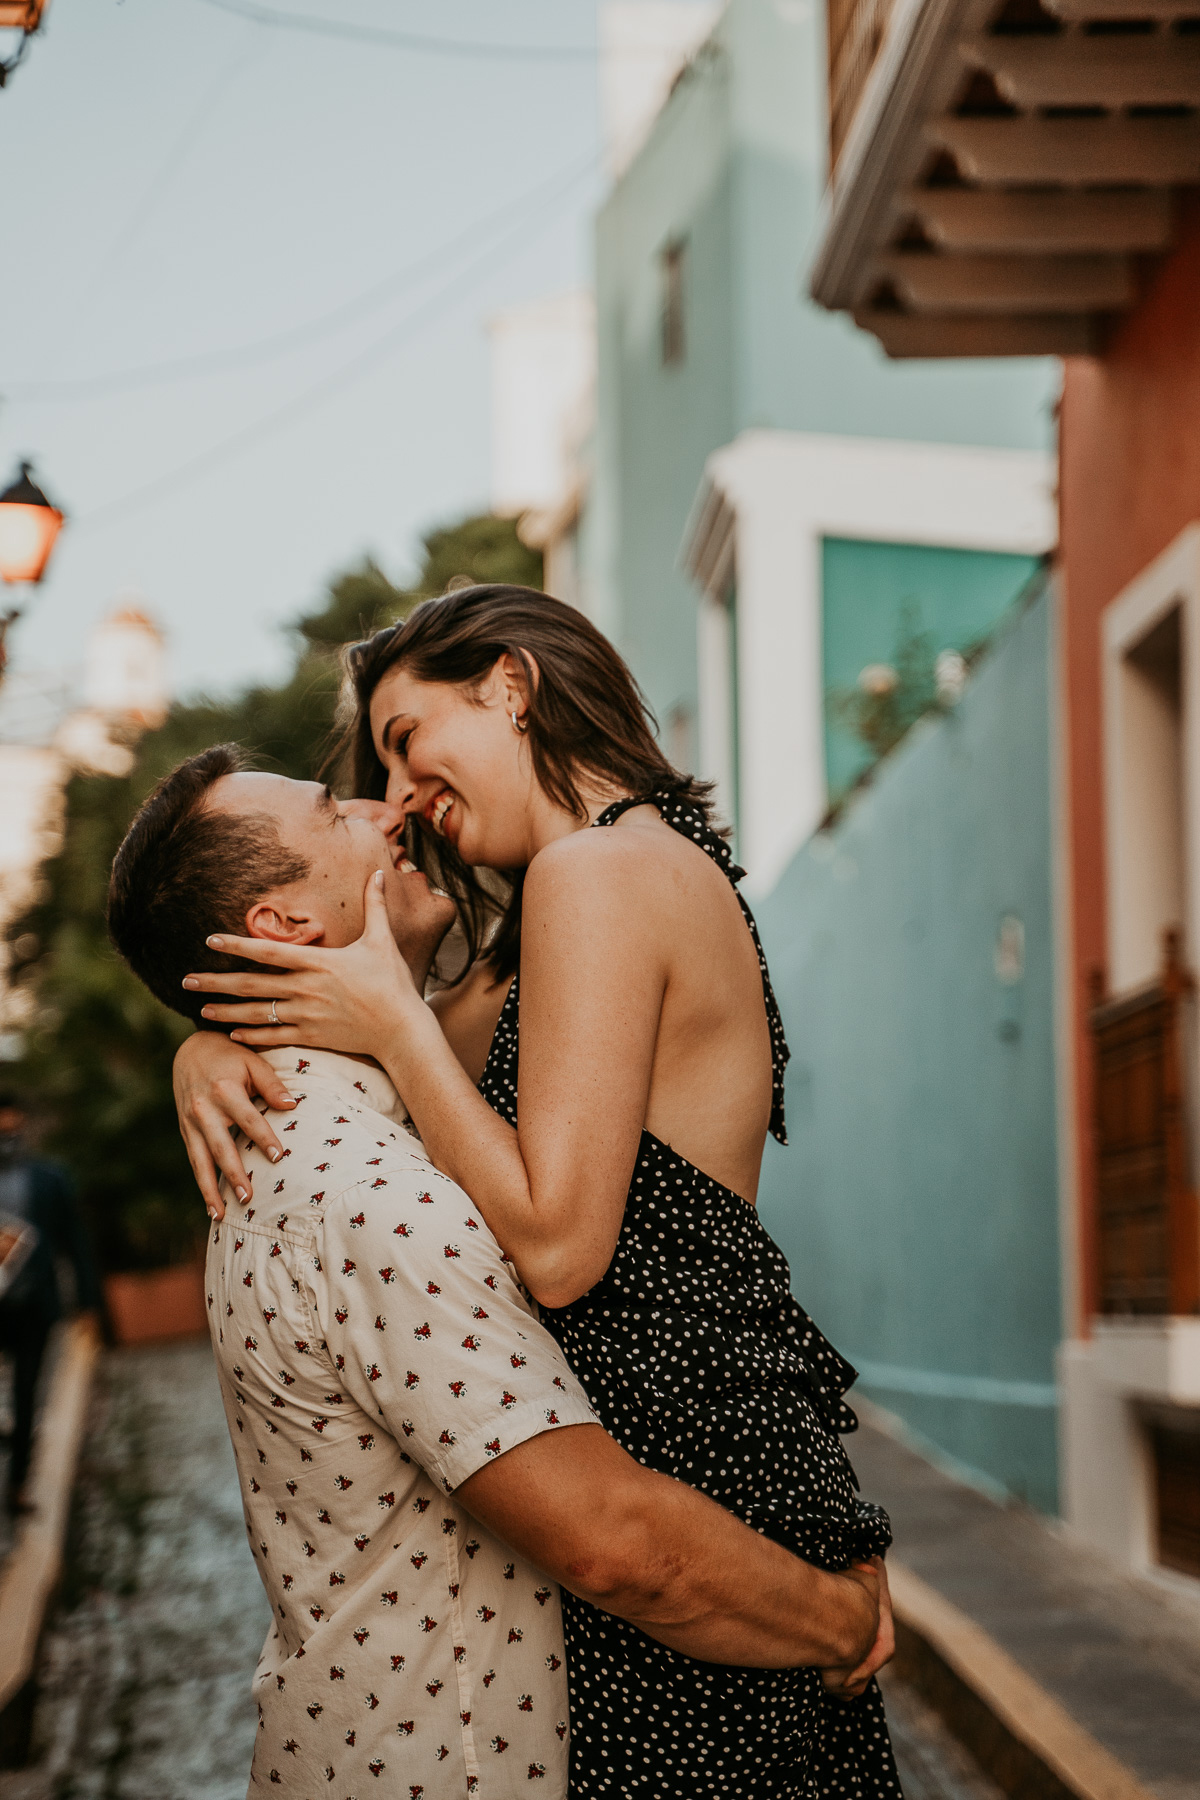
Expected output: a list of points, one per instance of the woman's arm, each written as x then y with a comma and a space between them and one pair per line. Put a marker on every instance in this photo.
216, 1080
593, 977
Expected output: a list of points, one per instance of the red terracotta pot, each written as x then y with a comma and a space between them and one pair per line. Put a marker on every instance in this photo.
151, 1306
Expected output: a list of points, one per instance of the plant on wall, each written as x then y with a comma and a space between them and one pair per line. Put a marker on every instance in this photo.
889, 698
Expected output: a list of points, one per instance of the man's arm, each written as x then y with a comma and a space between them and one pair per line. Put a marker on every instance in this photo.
669, 1560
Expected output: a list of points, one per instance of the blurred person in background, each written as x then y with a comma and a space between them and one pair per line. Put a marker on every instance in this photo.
39, 1196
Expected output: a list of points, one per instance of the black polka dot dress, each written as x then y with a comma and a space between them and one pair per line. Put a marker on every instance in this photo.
699, 1361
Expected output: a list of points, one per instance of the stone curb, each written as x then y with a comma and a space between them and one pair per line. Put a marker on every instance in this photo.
33, 1567
1030, 1745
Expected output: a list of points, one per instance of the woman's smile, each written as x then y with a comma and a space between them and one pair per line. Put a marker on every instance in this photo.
437, 809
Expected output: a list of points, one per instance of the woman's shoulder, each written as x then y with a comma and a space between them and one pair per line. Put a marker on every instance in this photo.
637, 844
638, 867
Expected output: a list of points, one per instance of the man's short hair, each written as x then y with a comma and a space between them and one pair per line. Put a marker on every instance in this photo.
186, 870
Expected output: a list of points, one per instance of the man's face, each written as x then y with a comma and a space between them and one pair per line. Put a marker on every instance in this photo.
343, 842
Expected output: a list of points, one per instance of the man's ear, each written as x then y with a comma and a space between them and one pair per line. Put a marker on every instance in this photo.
284, 924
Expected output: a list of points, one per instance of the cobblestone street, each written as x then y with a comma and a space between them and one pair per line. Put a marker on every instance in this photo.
146, 1662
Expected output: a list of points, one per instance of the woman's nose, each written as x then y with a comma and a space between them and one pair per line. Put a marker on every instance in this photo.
401, 793
383, 814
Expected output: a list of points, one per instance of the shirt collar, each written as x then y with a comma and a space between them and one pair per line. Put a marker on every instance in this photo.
358, 1079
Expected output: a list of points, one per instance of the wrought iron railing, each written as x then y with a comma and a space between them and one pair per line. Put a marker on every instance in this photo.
855, 33
1146, 1206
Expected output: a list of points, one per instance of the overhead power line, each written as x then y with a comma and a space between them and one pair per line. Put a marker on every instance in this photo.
282, 343
403, 40
395, 338
167, 170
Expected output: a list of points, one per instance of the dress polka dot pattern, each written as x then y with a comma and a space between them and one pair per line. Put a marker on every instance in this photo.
697, 1358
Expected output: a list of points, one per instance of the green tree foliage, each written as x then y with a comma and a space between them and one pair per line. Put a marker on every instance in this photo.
97, 1062
482, 549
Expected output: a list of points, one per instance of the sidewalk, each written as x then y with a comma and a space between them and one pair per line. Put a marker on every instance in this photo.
33, 1560
1119, 1653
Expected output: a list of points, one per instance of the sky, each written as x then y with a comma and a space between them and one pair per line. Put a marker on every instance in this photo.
247, 274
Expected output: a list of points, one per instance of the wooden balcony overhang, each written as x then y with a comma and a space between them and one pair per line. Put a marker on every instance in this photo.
1004, 171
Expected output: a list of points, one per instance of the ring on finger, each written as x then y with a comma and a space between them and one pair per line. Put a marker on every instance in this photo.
273, 1016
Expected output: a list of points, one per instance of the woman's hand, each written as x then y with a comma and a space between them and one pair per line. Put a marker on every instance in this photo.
215, 1083
351, 999
848, 1684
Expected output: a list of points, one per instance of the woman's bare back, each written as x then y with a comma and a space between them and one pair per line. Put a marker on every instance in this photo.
710, 1085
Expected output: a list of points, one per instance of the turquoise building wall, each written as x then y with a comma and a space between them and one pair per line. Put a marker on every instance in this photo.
735, 167
917, 1202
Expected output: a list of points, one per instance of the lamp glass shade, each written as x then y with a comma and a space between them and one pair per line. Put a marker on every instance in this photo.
21, 15
27, 535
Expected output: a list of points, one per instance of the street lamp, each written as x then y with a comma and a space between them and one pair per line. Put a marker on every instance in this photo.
24, 16
29, 526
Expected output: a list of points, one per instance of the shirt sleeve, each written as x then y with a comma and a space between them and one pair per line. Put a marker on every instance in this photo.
428, 1327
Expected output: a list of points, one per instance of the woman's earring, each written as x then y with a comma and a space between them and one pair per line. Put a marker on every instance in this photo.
518, 727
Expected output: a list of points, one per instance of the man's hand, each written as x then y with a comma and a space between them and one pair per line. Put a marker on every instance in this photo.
849, 1683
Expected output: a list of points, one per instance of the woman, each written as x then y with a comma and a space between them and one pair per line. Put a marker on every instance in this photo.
622, 1183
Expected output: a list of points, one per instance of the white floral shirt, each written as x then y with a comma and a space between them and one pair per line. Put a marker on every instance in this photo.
374, 1349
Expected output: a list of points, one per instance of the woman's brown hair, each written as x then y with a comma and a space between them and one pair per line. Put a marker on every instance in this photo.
586, 720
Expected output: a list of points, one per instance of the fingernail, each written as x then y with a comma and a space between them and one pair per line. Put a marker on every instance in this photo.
215, 943
241, 1193
274, 1155
189, 981
379, 878
206, 1012
212, 1212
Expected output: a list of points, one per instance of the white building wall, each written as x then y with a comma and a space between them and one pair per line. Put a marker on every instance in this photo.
543, 372
1111, 1383
643, 47
52, 726
125, 675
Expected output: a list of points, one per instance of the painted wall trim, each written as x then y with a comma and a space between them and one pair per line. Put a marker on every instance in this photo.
1062, 899
788, 491
940, 1384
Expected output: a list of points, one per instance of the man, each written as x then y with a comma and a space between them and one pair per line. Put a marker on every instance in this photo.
37, 1195
415, 1456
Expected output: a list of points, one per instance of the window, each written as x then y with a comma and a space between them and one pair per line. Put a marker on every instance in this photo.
1147, 799
1176, 1448
673, 259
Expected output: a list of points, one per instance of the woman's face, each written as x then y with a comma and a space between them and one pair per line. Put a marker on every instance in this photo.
455, 758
